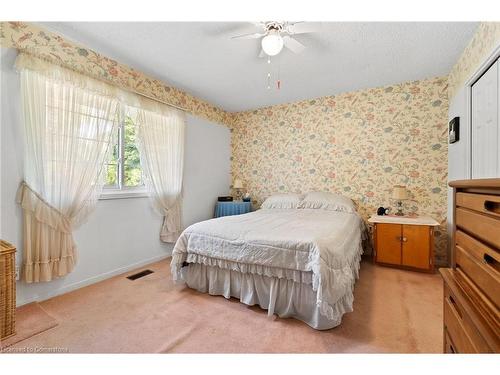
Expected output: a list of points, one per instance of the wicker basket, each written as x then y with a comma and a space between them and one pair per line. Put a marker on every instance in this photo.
7, 289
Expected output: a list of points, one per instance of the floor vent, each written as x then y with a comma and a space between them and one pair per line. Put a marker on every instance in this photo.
139, 275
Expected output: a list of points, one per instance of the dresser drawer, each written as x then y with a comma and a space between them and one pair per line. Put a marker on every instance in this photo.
458, 325
489, 204
480, 263
482, 226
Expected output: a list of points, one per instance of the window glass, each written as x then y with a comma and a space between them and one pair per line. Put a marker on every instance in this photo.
131, 161
123, 169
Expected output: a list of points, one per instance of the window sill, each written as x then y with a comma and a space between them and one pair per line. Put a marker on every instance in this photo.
123, 194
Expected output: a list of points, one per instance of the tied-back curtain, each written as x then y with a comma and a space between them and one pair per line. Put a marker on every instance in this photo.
69, 123
160, 134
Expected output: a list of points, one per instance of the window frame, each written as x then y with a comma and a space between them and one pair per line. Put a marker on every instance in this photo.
120, 191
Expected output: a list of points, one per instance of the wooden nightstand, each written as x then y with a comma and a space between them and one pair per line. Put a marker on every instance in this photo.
405, 242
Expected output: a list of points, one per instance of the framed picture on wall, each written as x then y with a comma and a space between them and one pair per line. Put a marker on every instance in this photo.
453, 130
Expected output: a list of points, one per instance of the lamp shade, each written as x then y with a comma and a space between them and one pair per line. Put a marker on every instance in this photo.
238, 184
399, 193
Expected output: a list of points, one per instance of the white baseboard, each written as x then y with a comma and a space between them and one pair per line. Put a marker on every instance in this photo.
90, 280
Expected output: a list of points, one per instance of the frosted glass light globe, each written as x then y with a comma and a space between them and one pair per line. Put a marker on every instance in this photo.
272, 44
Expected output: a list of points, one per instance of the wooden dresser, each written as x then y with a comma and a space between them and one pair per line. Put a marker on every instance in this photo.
472, 285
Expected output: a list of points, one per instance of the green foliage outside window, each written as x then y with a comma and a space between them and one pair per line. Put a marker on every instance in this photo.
112, 174
132, 172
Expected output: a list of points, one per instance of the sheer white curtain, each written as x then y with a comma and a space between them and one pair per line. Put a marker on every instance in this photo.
160, 135
69, 123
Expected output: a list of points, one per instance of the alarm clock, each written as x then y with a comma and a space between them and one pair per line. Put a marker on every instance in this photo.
383, 211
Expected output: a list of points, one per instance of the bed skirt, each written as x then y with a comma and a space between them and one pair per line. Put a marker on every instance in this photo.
281, 296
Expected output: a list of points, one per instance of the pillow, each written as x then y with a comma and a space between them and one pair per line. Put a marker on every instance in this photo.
288, 200
327, 201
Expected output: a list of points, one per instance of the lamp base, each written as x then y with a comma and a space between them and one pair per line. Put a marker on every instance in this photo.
400, 209
239, 194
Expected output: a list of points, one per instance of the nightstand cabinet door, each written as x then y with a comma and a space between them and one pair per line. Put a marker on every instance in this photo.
416, 246
388, 243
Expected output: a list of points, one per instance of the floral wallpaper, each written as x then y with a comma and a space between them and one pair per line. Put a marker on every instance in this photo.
47, 45
484, 41
360, 144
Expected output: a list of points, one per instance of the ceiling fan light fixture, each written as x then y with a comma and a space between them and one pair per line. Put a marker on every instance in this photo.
272, 43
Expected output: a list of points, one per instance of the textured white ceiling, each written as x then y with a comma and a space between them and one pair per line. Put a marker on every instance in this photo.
201, 59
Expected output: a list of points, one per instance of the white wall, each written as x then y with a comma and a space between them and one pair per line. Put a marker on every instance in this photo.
122, 233
459, 153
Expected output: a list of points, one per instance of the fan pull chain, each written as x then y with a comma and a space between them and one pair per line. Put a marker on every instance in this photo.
269, 73
278, 82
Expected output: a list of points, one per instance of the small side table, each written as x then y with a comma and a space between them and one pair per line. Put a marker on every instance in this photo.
404, 242
232, 208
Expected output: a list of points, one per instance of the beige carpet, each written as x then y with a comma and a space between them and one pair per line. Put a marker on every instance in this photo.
31, 319
394, 311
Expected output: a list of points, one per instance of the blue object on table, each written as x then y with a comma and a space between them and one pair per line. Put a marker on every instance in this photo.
232, 208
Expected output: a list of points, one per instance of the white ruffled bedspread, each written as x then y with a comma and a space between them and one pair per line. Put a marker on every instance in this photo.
311, 246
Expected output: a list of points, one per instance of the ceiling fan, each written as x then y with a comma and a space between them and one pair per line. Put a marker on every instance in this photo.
276, 35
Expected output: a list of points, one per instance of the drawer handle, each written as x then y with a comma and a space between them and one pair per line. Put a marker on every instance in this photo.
491, 206
489, 259
404, 239
454, 305
491, 262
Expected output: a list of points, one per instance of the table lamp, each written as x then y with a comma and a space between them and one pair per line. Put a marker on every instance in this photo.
238, 186
399, 193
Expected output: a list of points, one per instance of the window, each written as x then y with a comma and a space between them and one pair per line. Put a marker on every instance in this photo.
124, 177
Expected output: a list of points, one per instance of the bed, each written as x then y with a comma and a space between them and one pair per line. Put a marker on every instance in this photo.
294, 260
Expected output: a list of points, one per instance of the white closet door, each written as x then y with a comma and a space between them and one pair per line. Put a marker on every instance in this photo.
485, 128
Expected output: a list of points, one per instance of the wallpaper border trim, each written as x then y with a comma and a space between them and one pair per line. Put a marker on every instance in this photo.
59, 50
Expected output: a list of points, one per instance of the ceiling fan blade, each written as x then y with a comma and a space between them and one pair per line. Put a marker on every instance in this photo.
304, 27
260, 24
293, 45
262, 53
249, 36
